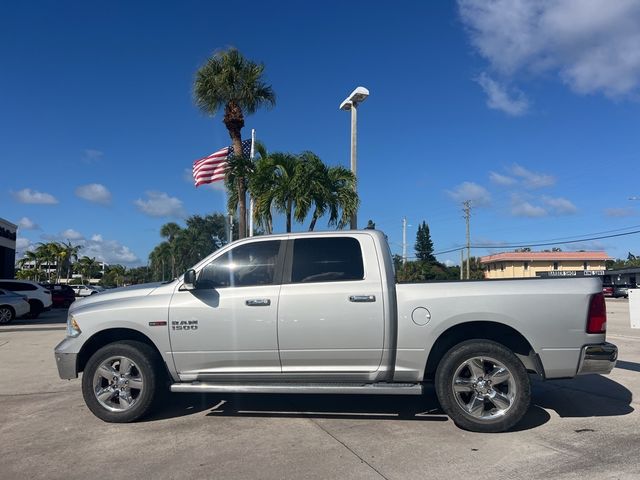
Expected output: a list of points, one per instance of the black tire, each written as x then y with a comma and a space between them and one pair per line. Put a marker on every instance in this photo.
146, 363
36, 308
7, 314
488, 417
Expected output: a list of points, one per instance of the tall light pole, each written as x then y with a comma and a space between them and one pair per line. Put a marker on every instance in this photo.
356, 97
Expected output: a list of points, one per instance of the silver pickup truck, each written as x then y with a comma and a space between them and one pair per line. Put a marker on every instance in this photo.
320, 313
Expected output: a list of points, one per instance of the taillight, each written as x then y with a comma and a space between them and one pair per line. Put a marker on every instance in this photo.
597, 320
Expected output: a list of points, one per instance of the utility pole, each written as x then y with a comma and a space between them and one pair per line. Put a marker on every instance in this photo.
466, 208
461, 263
404, 240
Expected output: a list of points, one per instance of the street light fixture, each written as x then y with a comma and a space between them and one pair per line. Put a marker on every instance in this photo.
356, 97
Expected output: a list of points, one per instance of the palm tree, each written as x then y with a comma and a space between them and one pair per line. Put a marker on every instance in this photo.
46, 255
296, 184
170, 231
159, 257
70, 256
343, 199
88, 267
230, 81
33, 260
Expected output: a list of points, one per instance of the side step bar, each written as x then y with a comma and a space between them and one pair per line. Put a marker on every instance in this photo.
331, 388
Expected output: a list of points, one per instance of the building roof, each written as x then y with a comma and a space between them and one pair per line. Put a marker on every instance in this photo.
542, 256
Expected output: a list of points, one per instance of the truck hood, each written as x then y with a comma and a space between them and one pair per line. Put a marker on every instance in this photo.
115, 294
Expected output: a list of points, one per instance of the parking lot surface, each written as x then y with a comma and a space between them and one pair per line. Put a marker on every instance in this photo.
588, 427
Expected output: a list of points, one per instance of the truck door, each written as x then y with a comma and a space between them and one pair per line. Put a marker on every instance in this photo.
331, 313
228, 324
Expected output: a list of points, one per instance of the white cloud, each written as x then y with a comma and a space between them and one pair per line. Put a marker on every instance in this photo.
449, 263
532, 179
501, 179
513, 102
477, 194
25, 223
522, 208
91, 156
71, 234
109, 251
159, 204
94, 192
620, 212
22, 245
591, 45
27, 195
560, 206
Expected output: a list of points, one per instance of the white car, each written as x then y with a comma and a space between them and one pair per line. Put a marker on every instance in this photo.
84, 290
12, 306
38, 296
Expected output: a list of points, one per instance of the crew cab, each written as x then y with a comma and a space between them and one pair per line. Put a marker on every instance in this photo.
321, 312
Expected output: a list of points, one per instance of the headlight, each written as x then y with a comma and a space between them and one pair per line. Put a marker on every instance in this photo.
73, 329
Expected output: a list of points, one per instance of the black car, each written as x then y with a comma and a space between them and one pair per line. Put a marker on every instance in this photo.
61, 295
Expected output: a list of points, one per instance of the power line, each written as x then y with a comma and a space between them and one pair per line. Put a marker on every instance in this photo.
545, 244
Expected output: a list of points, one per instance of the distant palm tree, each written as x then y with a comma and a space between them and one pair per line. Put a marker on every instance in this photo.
159, 257
228, 80
46, 255
31, 259
70, 256
170, 231
88, 267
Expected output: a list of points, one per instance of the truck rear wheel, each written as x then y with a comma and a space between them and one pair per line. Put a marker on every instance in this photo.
120, 381
483, 386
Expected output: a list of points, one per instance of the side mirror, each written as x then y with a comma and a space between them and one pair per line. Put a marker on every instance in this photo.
190, 279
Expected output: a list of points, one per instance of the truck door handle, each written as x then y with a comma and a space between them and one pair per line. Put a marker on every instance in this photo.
258, 302
362, 298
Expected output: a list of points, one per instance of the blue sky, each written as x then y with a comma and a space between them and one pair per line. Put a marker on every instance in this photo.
529, 110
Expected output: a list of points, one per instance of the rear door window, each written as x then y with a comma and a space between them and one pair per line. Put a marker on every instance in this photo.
335, 259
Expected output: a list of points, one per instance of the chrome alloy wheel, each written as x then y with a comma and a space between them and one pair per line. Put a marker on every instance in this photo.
6, 315
117, 384
484, 388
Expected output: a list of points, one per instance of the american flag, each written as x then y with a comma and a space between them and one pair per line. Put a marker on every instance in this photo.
213, 168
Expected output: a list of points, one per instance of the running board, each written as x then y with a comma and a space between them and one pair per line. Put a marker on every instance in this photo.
330, 388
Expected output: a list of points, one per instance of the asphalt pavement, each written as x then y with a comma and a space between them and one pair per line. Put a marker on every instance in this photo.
588, 427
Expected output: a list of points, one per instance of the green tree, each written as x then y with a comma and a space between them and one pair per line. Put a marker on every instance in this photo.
201, 236
88, 267
424, 245
231, 82
170, 231
297, 185
69, 256
343, 199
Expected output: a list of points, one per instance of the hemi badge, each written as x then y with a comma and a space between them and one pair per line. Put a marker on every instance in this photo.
157, 324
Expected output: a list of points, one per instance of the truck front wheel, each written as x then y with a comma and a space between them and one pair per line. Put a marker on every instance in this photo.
120, 381
483, 386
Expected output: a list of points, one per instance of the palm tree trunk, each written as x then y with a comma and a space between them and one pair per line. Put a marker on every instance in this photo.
234, 121
312, 225
289, 208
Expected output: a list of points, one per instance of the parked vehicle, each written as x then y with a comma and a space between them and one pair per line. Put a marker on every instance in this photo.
61, 295
607, 290
84, 290
39, 297
621, 291
12, 306
321, 313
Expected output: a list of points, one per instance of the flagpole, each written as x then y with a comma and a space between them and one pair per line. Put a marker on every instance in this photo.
253, 152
